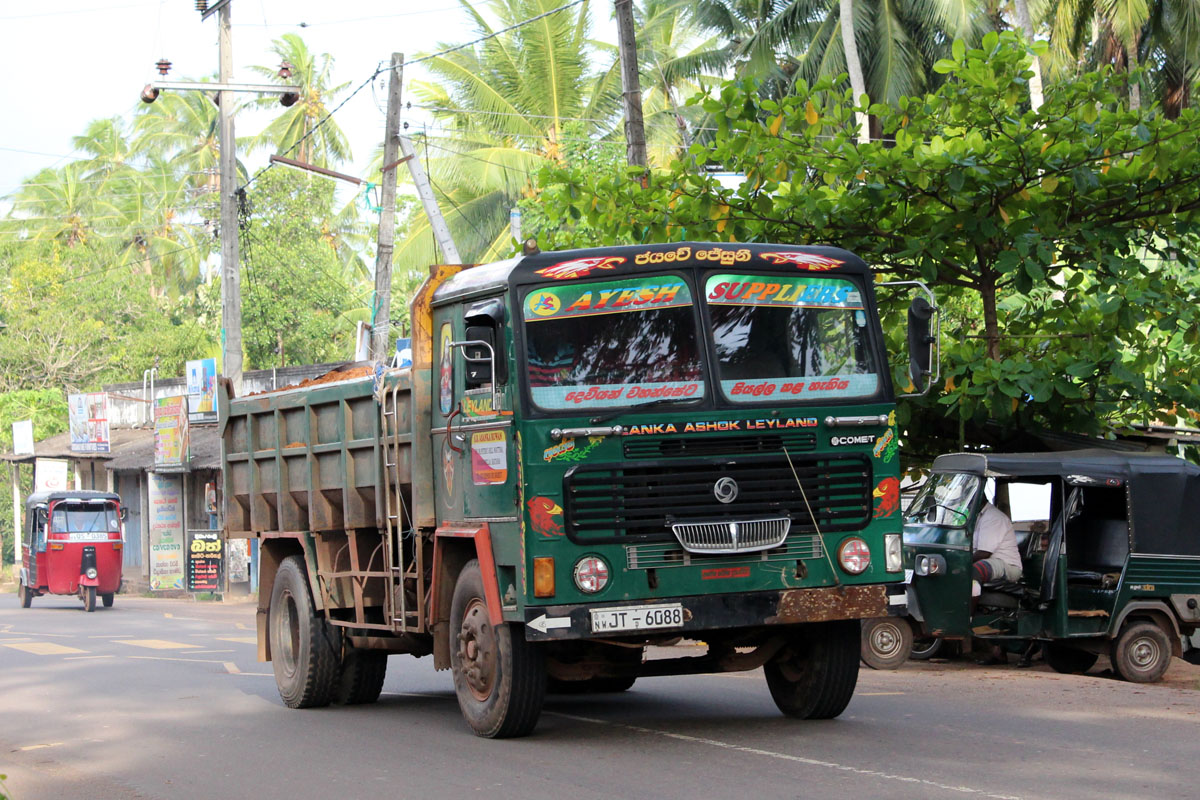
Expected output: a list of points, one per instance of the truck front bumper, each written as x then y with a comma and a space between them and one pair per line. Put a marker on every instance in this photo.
724, 611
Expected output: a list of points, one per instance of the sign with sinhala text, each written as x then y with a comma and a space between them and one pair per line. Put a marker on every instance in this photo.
166, 531
205, 558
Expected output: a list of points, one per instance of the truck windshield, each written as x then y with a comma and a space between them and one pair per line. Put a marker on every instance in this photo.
84, 518
781, 336
941, 510
612, 343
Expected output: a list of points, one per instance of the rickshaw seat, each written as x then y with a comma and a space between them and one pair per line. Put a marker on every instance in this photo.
1002, 594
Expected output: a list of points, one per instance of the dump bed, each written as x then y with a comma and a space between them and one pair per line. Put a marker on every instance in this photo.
310, 458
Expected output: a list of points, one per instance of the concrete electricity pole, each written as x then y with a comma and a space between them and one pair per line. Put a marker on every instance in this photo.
631, 86
231, 278
381, 320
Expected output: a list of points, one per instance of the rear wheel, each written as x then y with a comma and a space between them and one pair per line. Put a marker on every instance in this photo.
927, 648
814, 676
886, 642
24, 594
107, 599
1066, 659
89, 598
362, 676
1142, 653
500, 678
303, 652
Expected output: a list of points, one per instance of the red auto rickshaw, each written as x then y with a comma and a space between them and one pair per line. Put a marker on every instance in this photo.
72, 544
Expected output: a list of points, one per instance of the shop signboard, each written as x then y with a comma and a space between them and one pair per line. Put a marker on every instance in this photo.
171, 433
166, 531
50, 475
23, 438
205, 560
202, 390
87, 417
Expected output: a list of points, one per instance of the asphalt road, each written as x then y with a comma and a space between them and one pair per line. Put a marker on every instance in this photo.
164, 699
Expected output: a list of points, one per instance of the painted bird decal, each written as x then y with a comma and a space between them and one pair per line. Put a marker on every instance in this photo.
546, 516
579, 267
888, 495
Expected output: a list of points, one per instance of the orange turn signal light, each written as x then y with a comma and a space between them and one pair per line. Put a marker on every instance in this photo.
56, 545
543, 577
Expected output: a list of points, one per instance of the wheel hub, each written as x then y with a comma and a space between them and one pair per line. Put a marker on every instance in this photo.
885, 640
1144, 653
477, 650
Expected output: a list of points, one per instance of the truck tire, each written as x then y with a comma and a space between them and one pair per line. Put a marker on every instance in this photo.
24, 594
89, 598
1142, 653
886, 642
500, 678
303, 651
1066, 659
589, 686
362, 676
814, 676
107, 599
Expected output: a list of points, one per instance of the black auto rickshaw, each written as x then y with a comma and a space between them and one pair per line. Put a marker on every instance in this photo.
1113, 567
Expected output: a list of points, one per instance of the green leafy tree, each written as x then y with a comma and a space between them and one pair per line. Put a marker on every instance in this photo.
48, 410
1061, 239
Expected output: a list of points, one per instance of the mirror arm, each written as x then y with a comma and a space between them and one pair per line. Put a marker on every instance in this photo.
497, 395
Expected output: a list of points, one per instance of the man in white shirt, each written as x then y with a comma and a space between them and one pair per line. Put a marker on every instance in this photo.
996, 555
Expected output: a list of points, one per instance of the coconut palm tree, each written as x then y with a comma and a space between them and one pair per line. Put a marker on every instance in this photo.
295, 130
58, 204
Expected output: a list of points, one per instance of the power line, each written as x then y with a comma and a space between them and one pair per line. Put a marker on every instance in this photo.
493, 34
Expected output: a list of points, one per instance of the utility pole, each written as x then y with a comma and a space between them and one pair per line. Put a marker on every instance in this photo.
631, 86
231, 274
381, 313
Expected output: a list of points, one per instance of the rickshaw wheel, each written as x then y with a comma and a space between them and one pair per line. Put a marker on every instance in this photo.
89, 598
24, 594
1142, 653
814, 676
927, 648
1066, 659
886, 642
107, 599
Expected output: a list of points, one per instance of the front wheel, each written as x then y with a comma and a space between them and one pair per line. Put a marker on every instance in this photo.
1142, 653
304, 654
89, 598
1066, 659
499, 678
814, 676
24, 594
886, 642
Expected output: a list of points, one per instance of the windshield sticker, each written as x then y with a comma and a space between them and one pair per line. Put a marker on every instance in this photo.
887, 493
768, 290
719, 426
810, 261
489, 458
588, 299
579, 267
546, 517
818, 387
613, 394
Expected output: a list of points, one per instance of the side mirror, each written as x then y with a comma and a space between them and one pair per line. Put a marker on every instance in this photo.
41, 516
478, 353
123, 513
926, 564
920, 342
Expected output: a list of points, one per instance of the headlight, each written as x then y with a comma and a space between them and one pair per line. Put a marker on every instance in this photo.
591, 574
91, 573
854, 555
891, 552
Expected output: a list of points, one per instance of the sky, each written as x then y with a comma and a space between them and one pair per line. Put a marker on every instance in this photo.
67, 62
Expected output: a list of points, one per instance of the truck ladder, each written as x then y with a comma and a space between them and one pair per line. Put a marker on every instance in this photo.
409, 568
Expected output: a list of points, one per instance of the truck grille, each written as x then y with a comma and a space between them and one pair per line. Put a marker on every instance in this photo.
664, 556
611, 503
708, 446
732, 537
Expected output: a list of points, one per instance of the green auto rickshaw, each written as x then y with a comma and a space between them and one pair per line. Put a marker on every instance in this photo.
1110, 556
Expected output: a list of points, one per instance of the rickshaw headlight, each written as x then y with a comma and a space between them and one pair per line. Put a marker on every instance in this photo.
91, 573
854, 556
891, 552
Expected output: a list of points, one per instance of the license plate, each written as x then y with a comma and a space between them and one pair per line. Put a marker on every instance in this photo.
637, 618
88, 536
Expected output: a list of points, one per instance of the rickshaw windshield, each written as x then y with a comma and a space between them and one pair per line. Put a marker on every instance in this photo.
84, 518
941, 510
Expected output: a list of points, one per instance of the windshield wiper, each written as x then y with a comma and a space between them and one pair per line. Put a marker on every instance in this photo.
600, 419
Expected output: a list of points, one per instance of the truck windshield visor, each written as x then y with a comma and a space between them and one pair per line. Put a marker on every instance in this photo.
84, 518
612, 343
787, 337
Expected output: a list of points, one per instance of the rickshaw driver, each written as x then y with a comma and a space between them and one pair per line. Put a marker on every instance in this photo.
996, 556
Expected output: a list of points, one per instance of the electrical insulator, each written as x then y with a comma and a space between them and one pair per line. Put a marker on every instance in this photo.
288, 99
202, 6
149, 94
163, 66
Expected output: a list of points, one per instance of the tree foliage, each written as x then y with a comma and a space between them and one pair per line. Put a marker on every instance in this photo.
1061, 240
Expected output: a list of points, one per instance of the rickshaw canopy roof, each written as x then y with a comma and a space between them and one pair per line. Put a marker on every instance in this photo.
45, 498
1164, 491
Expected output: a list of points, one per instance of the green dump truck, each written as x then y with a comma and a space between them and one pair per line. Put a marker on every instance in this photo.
594, 452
